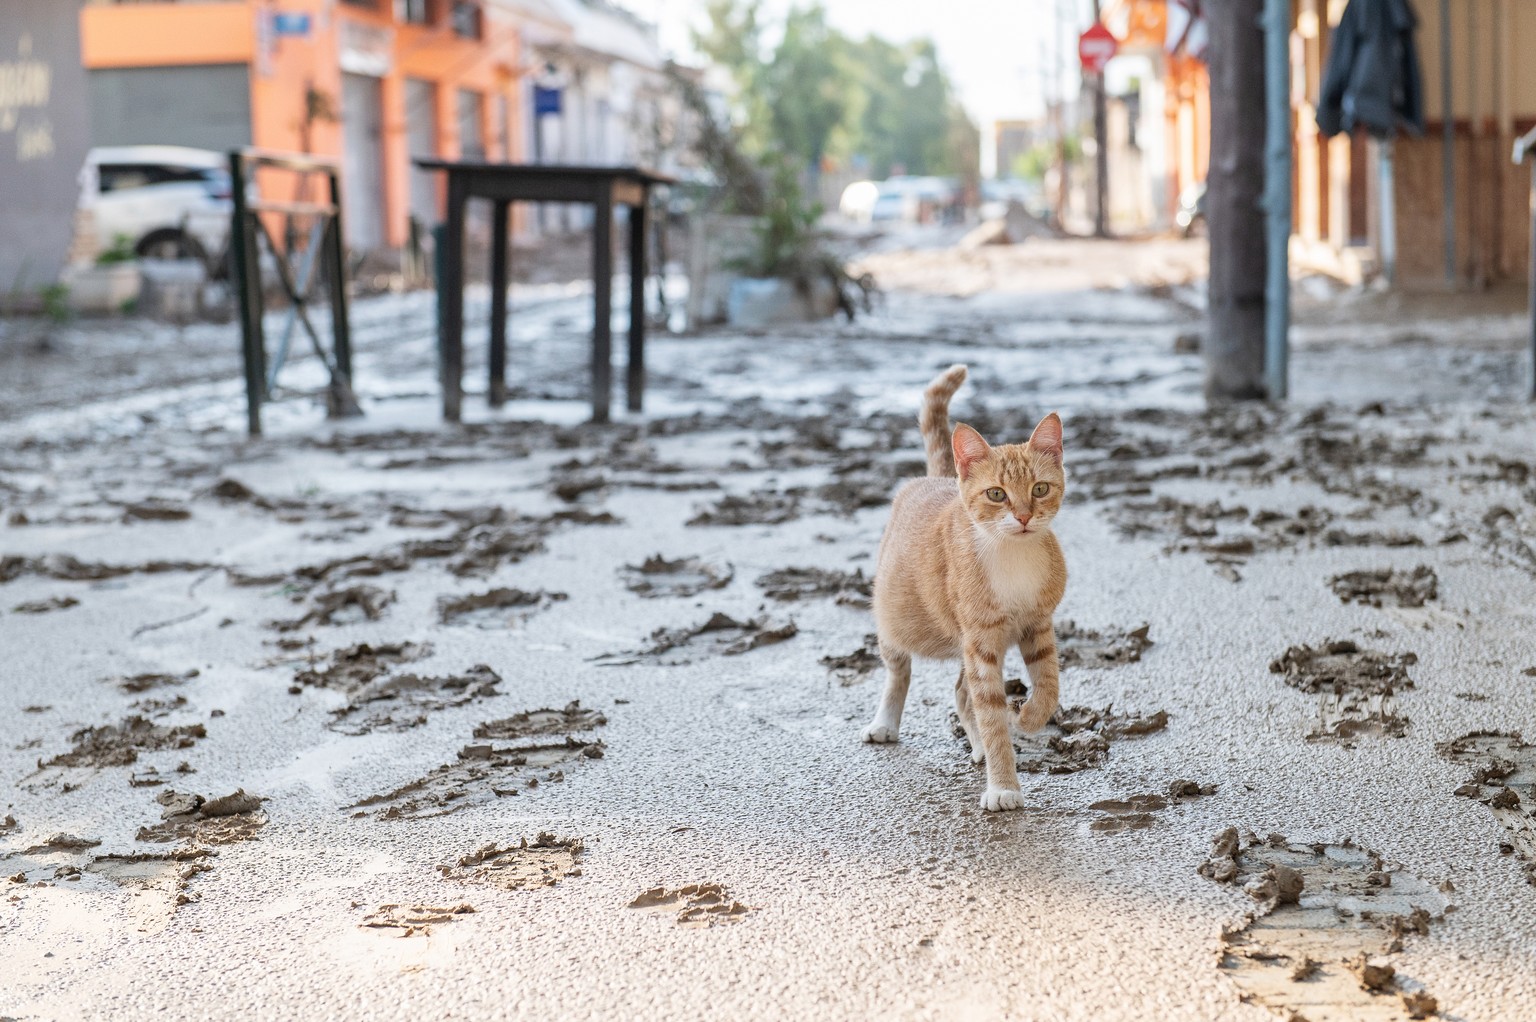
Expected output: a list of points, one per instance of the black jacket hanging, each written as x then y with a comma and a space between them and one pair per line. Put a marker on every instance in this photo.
1373, 78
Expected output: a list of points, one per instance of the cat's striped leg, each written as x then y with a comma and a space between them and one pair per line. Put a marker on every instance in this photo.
1039, 648
984, 678
898, 677
967, 718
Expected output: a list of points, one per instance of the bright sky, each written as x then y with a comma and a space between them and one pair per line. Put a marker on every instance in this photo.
997, 52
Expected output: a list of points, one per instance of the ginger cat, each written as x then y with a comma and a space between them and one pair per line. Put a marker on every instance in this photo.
968, 566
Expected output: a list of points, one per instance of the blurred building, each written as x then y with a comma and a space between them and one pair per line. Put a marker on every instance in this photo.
1485, 199
375, 83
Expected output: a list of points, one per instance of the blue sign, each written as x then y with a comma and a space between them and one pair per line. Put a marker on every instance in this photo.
290, 23
545, 101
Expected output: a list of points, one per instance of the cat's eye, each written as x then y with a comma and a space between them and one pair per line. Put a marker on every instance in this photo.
1041, 489
996, 493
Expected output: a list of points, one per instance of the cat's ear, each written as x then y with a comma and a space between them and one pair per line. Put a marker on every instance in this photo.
969, 448
1046, 439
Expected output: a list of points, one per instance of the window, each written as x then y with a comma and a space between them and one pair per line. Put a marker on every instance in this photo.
415, 12
120, 177
466, 19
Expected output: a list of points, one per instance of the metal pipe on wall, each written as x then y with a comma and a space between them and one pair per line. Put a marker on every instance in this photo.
1277, 196
1448, 144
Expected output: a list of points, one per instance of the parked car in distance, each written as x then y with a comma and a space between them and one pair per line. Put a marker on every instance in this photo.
169, 202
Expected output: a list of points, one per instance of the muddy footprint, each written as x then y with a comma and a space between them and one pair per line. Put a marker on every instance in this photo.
687, 576
1356, 689
1503, 779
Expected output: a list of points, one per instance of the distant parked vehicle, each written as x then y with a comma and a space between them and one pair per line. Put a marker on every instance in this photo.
858, 201
168, 202
1191, 214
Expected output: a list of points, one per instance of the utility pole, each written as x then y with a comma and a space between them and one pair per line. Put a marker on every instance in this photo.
1235, 325
1100, 149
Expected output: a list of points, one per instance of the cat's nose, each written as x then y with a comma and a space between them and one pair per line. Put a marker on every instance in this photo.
1023, 520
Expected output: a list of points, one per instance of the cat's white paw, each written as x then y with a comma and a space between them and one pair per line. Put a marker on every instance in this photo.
879, 734
996, 800
978, 753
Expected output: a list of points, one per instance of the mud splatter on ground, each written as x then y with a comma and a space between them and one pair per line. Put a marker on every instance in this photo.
1081, 738
52, 603
402, 701
484, 772
498, 608
206, 821
527, 866
350, 605
1327, 920
156, 509
1083, 647
413, 920
697, 906
850, 589
1138, 811
721, 635
134, 683
687, 576
8, 825
1385, 587
111, 745
1503, 779
350, 668
542, 722
168, 873
71, 569
852, 668
754, 509
1356, 689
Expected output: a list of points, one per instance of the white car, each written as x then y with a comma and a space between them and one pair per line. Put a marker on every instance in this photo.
168, 202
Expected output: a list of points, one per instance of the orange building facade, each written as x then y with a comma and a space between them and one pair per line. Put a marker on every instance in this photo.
370, 82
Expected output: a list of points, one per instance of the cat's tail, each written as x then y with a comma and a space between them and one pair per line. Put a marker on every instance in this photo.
933, 420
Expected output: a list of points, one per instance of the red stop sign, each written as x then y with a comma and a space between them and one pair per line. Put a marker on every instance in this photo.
1095, 47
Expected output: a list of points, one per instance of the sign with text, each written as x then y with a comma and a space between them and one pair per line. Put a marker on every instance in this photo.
1096, 47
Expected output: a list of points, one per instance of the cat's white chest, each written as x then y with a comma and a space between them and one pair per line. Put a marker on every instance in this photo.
1017, 572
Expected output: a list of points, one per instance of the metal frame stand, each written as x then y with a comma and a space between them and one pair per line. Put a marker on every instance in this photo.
247, 229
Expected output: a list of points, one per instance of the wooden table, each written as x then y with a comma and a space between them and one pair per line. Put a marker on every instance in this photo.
504, 184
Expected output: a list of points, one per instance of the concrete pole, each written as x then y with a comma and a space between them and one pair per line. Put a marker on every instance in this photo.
1100, 149
1448, 145
1235, 326
1277, 195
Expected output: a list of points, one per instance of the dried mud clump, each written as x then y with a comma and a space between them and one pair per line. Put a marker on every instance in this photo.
687, 576
1326, 920
1083, 647
206, 821
402, 701
787, 584
1356, 689
697, 906
350, 668
68, 568
135, 683
168, 874
1503, 778
753, 509
497, 608
1138, 812
1083, 736
852, 668
526, 866
721, 635
413, 920
340, 606
485, 772
111, 745
52, 603
1385, 587
541, 722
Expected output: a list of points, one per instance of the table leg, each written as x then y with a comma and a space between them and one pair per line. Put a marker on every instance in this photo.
451, 284
602, 308
497, 391
635, 378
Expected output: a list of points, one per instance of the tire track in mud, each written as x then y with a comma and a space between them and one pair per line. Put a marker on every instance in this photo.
1327, 920
1503, 778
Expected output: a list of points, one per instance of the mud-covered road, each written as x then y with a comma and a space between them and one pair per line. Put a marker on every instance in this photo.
530, 718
